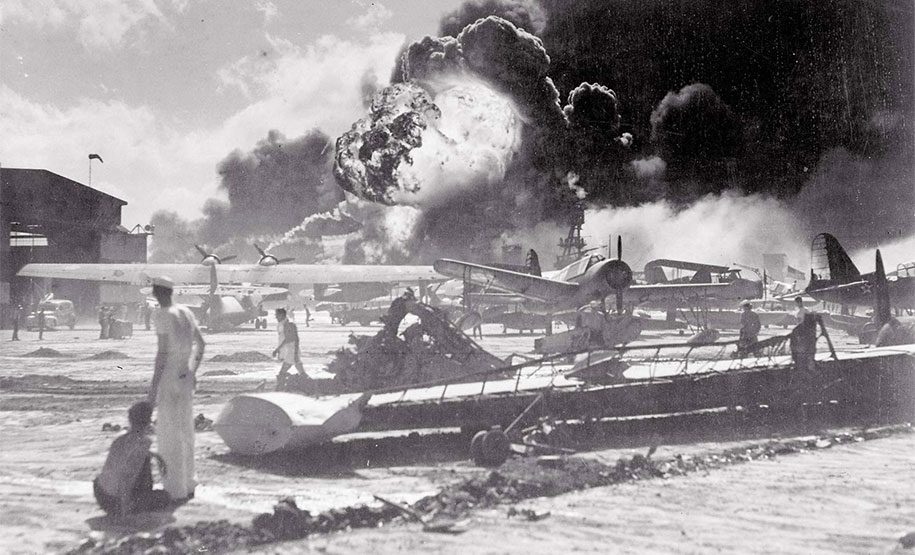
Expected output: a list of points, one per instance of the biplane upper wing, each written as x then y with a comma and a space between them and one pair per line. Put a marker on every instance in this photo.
526, 285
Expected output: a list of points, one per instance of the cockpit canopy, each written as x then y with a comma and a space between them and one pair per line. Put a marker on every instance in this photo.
579, 267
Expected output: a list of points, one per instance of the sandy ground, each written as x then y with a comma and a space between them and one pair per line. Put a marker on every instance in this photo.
852, 499
52, 445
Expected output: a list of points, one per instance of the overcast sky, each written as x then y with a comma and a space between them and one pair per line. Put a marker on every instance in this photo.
165, 89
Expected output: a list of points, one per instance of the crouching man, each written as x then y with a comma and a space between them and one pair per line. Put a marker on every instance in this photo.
125, 484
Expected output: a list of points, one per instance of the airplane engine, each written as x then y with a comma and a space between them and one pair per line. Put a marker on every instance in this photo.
230, 306
618, 274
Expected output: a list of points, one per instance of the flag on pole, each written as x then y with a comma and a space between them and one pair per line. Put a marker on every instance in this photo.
96, 157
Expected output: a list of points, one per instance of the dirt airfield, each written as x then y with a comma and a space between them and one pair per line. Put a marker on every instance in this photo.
56, 413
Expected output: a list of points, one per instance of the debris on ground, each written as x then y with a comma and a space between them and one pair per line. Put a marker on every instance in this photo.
527, 514
289, 522
45, 352
108, 355
430, 349
243, 356
516, 480
202, 423
441, 526
907, 541
109, 427
220, 373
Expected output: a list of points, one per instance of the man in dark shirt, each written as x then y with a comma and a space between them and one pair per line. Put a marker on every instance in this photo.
749, 328
125, 484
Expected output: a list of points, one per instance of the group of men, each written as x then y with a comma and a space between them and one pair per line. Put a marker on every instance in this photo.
125, 484
750, 324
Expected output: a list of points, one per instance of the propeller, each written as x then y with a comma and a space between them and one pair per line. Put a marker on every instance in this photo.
210, 258
268, 259
618, 274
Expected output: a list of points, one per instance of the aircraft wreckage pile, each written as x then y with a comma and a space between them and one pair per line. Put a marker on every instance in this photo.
430, 349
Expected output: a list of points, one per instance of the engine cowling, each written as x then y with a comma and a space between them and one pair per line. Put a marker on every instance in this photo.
618, 274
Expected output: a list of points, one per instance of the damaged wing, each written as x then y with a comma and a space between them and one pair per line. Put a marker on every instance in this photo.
526, 285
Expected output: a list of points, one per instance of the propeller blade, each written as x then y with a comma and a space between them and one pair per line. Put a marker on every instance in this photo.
619, 301
281, 260
201, 251
260, 250
619, 247
214, 283
230, 257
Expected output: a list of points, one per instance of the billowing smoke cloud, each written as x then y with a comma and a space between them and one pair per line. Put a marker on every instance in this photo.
695, 126
270, 190
688, 128
275, 186
476, 139
523, 14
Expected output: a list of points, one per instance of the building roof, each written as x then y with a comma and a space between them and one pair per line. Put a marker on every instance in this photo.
26, 176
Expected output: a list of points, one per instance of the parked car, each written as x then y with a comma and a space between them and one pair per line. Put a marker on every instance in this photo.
57, 312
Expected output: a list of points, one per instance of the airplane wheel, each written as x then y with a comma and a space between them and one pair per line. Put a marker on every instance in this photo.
476, 447
495, 447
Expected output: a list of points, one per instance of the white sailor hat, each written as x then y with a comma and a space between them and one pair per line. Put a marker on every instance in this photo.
163, 281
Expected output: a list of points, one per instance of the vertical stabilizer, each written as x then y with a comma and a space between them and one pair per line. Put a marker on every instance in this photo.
533, 263
829, 262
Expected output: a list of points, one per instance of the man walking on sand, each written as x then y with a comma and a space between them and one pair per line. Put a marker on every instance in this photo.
173, 386
287, 349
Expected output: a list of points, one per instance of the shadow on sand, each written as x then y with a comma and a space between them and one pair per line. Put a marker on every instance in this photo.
140, 522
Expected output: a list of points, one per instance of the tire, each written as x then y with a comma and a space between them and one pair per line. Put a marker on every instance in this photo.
476, 447
495, 447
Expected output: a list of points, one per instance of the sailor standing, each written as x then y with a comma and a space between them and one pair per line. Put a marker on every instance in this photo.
287, 348
173, 386
801, 311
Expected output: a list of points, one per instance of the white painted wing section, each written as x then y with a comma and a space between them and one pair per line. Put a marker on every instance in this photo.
141, 274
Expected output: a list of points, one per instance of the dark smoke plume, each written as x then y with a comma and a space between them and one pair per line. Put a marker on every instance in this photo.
280, 182
695, 126
522, 14
697, 135
270, 190
802, 77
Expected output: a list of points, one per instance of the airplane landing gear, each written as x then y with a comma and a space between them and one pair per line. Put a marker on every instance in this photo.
490, 447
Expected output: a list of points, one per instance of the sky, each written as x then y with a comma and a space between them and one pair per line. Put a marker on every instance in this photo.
163, 90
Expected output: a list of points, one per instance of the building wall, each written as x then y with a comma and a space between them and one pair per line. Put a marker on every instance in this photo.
81, 224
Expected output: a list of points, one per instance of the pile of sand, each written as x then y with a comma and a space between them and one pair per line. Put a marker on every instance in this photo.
45, 352
244, 356
108, 355
220, 373
34, 380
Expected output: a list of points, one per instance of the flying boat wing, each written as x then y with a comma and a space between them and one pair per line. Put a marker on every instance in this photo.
141, 274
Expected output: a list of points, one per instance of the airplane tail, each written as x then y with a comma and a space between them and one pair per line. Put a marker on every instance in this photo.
830, 263
533, 263
882, 313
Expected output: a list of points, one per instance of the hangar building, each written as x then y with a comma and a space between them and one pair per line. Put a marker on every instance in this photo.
46, 217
